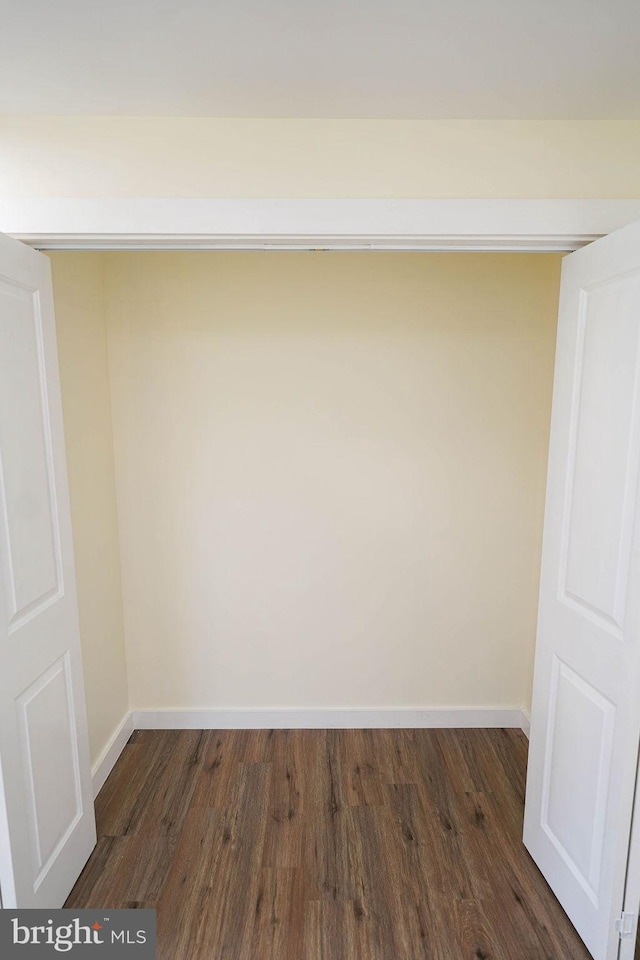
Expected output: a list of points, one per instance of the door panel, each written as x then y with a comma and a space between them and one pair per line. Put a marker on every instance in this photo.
586, 708
576, 776
47, 827
32, 571
48, 742
603, 461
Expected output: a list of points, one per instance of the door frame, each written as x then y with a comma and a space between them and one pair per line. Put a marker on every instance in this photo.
509, 225
332, 224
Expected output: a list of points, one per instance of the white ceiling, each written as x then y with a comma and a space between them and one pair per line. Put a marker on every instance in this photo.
331, 58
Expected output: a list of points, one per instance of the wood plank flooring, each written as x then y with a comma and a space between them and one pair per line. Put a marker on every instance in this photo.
326, 845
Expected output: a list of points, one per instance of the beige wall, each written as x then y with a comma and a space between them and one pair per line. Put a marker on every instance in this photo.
330, 473
154, 157
78, 281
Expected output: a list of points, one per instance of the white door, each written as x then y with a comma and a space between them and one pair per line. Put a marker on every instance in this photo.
47, 827
585, 723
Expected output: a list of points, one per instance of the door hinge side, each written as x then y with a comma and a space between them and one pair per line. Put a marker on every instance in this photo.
625, 925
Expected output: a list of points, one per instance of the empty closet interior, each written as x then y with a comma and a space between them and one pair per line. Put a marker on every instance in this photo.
305, 480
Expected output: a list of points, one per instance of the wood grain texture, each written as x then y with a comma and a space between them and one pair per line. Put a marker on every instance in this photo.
326, 845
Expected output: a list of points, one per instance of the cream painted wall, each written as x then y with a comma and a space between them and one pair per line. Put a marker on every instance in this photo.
330, 472
155, 157
78, 283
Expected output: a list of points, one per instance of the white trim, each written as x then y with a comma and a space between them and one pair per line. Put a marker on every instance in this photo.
526, 723
107, 759
329, 718
292, 719
203, 223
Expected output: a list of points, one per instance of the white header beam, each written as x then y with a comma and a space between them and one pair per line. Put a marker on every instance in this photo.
136, 223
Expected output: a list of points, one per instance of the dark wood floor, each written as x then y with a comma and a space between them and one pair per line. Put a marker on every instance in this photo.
326, 845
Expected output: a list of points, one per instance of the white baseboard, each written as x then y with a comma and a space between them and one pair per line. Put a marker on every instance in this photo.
291, 719
107, 759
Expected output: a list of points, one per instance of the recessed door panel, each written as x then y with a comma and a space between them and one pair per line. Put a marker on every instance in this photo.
603, 456
50, 757
577, 774
32, 565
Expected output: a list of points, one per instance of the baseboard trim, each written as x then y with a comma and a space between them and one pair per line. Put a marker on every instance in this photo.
291, 719
107, 759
